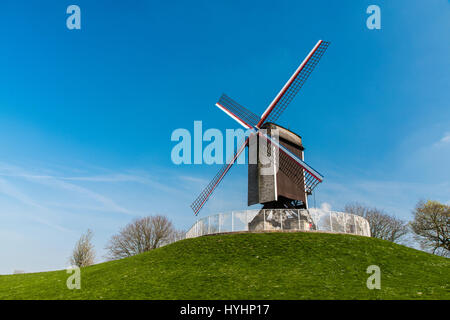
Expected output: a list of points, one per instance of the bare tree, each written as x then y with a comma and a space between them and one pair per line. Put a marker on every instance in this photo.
431, 226
382, 225
139, 236
83, 254
177, 235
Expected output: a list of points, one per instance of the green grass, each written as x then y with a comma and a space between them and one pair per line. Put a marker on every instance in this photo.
251, 266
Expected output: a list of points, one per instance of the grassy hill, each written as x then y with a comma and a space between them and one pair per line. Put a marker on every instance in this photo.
251, 266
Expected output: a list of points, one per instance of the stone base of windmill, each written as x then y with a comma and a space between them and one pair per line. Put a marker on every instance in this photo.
283, 220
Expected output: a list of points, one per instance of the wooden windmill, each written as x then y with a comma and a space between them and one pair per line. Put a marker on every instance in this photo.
289, 186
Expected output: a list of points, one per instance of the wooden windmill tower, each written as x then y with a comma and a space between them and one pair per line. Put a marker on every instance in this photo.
288, 187
271, 187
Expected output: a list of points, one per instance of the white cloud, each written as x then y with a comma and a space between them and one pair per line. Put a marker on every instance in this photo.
56, 182
108, 203
324, 208
13, 192
194, 179
141, 178
446, 138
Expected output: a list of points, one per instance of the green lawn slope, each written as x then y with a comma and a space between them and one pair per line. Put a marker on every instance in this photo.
251, 266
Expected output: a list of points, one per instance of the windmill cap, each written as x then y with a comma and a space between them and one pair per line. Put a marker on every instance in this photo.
285, 134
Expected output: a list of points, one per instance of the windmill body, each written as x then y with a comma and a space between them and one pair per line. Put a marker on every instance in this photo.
275, 190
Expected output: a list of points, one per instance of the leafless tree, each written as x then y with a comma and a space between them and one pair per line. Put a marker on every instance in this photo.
83, 254
139, 236
177, 235
382, 225
431, 226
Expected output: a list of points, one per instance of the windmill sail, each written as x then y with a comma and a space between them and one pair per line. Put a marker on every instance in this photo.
294, 84
239, 113
200, 201
302, 174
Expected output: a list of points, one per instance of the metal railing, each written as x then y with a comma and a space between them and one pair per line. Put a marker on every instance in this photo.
280, 220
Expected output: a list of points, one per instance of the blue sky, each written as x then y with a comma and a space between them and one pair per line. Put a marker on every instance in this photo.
86, 115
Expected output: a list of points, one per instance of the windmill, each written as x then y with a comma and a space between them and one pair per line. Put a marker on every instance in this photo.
296, 179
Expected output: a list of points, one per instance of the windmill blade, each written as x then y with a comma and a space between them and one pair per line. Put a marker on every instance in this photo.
297, 173
296, 169
200, 201
243, 116
294, 84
